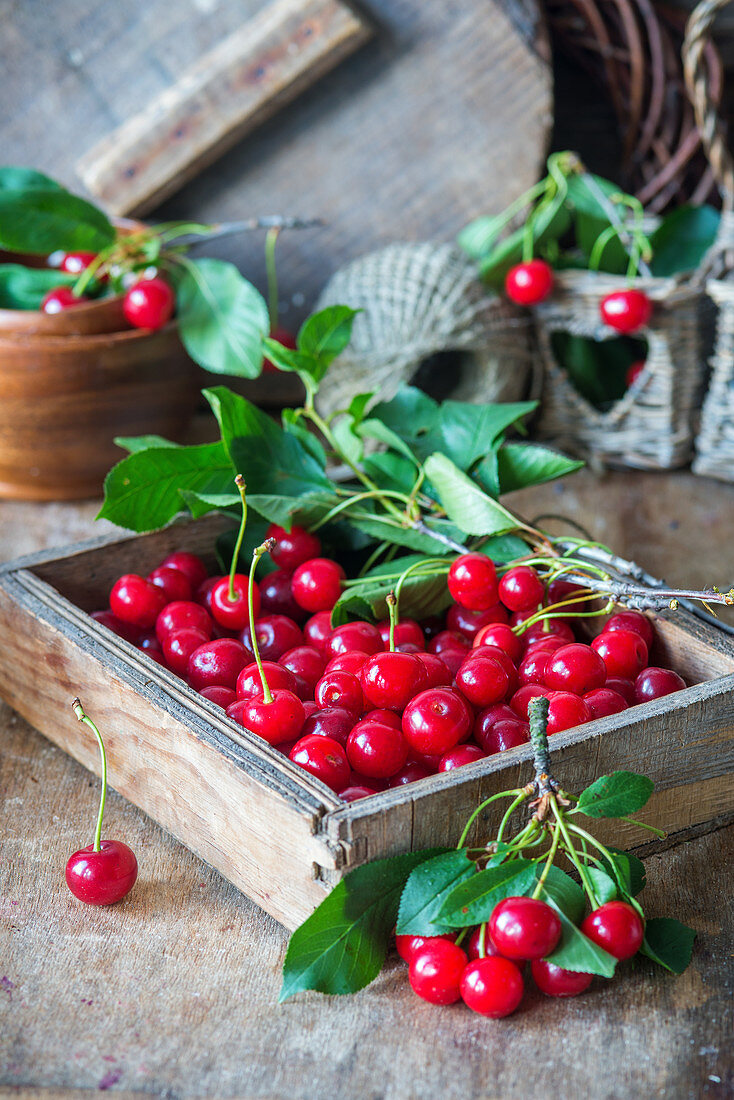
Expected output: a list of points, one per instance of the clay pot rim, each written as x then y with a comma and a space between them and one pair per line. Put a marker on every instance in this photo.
86, 306
70, 342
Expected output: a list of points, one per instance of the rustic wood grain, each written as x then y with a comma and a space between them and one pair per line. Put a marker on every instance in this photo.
446, 113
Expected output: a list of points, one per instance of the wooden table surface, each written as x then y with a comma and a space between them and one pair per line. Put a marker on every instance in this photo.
173, 992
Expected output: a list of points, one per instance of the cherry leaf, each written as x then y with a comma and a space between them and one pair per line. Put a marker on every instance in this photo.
615, 795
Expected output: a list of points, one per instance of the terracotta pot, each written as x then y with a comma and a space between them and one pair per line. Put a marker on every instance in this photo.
64, 398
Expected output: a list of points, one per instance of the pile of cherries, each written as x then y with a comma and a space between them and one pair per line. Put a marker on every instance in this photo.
357, 714
149, 301
487, 974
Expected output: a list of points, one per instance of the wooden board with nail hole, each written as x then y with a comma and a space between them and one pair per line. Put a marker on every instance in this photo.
276, 833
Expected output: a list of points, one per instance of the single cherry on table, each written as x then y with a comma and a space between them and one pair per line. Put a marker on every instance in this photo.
106, 870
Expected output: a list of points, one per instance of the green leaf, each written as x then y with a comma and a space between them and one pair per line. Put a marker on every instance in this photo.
385, 528
604, 885
627, 870
222, 318
341, 947
562, 892
255, 533
143, 491
425, 891
479, 236
26, 287
38, 222
597, 369
419, 596
614, 258
358, 406
668, 943
550, 225
135, 443
615, 795
305, 510
272, 461
583, 198
577, 952
503, 548
683, 238
349, 444
376, 429
410, 413
200, 504
26, 179
522, 464
324, 335
468, 432
465, 503
391, 471
294, 425
287, 358
472, 902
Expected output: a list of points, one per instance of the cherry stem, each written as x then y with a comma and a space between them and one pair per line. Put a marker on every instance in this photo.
271, 240
572, 854
548, 863
538, 719
79, 712
483, 940
257, 554
518, 795
240, 483
392, 610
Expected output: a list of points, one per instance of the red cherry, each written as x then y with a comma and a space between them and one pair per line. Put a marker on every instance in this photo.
334, 722
222, 696
566, 711
352, 794
123, 630
448, 639
340, 689
318, 629
503, 660
437, 674
654, 683
462, 621
387, 717
626, 310
524, 928
323, 758
73, 263
317, 584
406, 630
292, 548
616, 927
275, 635
376, 751
435, 972
234, 614
460, 755
149, 303
306, 662
472, 582
411, 773
577, 668
492, 987
60, 298
149, 640
521, 589
436, 720
529, 283
634, 621
217, 663
353, 662
625, 688
183, 615
506, 734
276, 597
501, 636
482, 681
357, 637
604, 701
391, 680
554, 981
189, 564
178, 647
249, 682
135, 600
408, 945
623, 651
545, 630
487, 718
174, 584
634, 370
103, 877
533, 667
280, 720
561, 590
520, 701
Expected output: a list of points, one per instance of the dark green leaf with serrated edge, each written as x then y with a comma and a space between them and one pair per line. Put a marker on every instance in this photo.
605, 887
222, 318
374, 428
615, 795
419, 596
41, 222
627, 870
358, 406
561, 891
682, 240
341, 947
384, 528
273, 462
25, 287
135, 443
425, 891
550, 225
577, 952
391, 471
410, 413
294, 425
305, 510
468, 431
613, 258
520, 465
324, 335
347, 442
668, 943
504, 548
473, 901
465, 503
143, 491
200, 504
13, 178
584, 198
287, 358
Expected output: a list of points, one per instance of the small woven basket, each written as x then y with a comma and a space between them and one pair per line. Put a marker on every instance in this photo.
418, 300
715, 441
652, 426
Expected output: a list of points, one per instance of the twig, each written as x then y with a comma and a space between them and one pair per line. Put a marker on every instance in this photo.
270, 221
424, 529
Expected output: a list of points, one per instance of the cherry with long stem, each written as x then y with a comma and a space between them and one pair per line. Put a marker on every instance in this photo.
231, 605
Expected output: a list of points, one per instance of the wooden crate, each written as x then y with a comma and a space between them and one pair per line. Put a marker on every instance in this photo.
276, 833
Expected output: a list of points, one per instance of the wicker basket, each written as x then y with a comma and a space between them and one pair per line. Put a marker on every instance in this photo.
715, 441
418, 300
652, 426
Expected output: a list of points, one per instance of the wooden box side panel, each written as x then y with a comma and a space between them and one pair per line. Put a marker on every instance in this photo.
684, 743
194, 780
